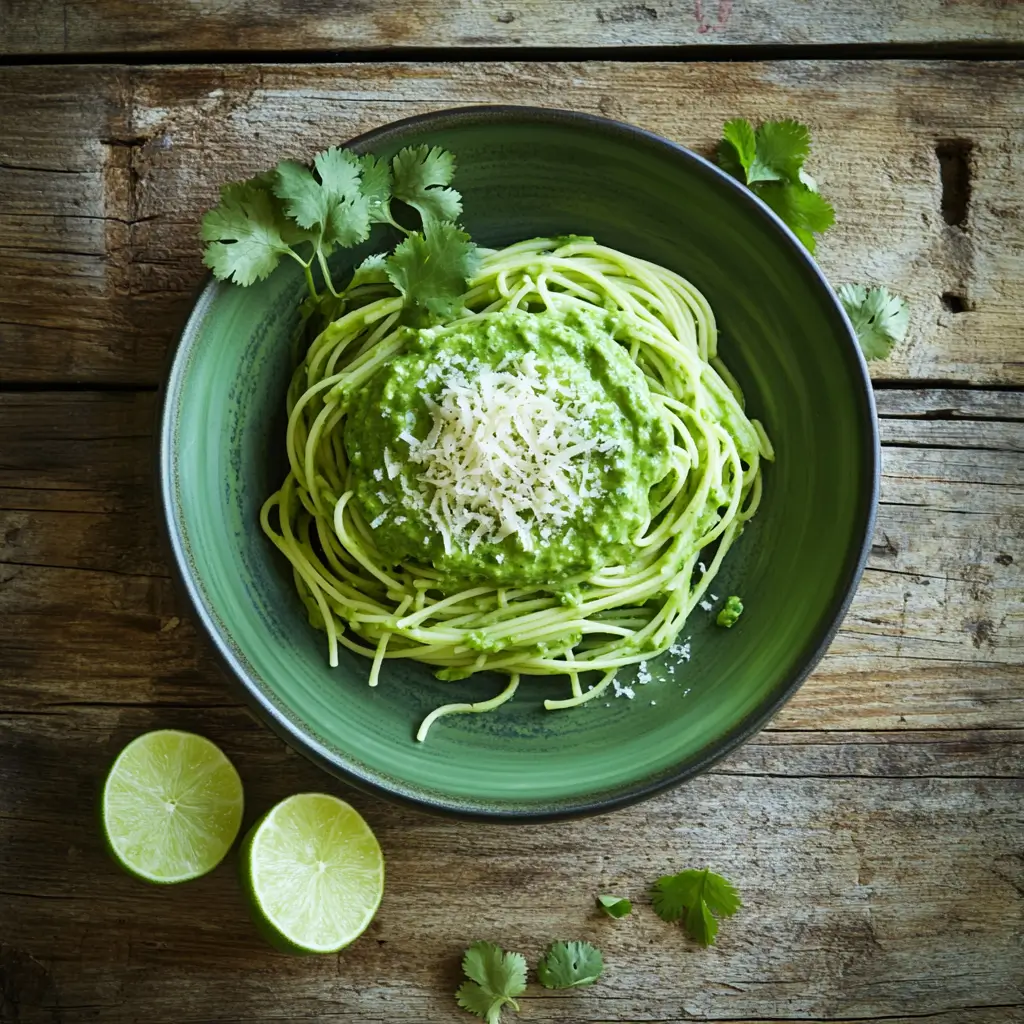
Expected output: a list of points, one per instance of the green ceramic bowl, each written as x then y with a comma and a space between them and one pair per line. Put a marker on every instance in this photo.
526, 172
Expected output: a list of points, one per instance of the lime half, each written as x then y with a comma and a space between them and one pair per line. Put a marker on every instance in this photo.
172, 806
314, 874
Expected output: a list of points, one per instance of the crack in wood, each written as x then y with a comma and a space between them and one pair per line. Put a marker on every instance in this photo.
954, 156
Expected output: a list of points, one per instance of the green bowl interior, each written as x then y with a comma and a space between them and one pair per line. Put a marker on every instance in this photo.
781, 334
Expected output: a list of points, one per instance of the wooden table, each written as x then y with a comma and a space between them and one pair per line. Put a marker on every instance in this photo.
876, 829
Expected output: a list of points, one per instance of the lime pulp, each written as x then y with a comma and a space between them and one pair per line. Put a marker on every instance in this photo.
171, 806
314, 873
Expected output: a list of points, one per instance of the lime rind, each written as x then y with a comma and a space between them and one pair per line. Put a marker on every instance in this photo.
314, 873
171, 806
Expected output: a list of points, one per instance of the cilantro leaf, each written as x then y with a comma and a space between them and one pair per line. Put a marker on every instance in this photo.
373, 270
334, 206
376, 186
806, 213
879, 318
348, 224
770, 163
470, 996
775, 152
419, 167
782, 148
614, 906
243, 233
570, 965
335, 203
738, 148
419, 174
496, 978
431, 270
339, 172
695, 897
304, 200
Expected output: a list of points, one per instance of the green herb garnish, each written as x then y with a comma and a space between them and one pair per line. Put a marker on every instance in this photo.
496, 978
694, 897
306, 213
614, 906
770, 162
731, 611
431, 270
879, 317
570, 965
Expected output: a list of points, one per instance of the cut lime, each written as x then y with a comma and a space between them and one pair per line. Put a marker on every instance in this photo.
172, 806
314, 874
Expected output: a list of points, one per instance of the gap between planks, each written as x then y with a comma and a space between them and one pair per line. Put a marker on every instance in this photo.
680, 54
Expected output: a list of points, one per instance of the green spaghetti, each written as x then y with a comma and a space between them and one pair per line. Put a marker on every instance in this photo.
530, 486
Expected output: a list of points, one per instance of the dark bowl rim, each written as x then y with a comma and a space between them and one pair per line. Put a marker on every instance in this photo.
744, 730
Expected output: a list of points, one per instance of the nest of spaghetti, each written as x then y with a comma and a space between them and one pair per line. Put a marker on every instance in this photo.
544, 483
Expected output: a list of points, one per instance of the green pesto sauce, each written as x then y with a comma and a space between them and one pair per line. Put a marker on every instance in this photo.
578, 350
730, 613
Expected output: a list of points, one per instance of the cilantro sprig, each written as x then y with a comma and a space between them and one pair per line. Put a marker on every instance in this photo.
570, 965
496, 978
769, 161
879, 317
695, 897
307, 213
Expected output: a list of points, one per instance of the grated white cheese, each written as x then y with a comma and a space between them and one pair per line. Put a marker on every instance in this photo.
681, 650
623, 691
706, 605
508, 453
643, 673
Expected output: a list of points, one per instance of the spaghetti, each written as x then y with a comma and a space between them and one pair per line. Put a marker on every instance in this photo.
620, 614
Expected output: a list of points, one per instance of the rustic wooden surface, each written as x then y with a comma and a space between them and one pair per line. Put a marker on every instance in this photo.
104, 171
876, 829
76, 26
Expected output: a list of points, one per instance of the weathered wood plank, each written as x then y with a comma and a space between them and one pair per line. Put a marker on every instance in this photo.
864, 897
933, 639
949, 404
80, 27
993, 753
104, 172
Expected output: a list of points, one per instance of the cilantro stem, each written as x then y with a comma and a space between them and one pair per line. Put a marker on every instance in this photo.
309, 278
394, 223
327, 273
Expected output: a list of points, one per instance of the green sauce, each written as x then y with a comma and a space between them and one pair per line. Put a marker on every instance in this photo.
576, 363
730, 613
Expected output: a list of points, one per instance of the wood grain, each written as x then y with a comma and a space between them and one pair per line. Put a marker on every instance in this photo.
105, 171
934, 639
77, 26
875, 829
857, 901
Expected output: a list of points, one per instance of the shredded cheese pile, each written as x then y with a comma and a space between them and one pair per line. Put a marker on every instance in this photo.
509, 452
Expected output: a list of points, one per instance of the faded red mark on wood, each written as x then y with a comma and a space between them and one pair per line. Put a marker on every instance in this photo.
703, 24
